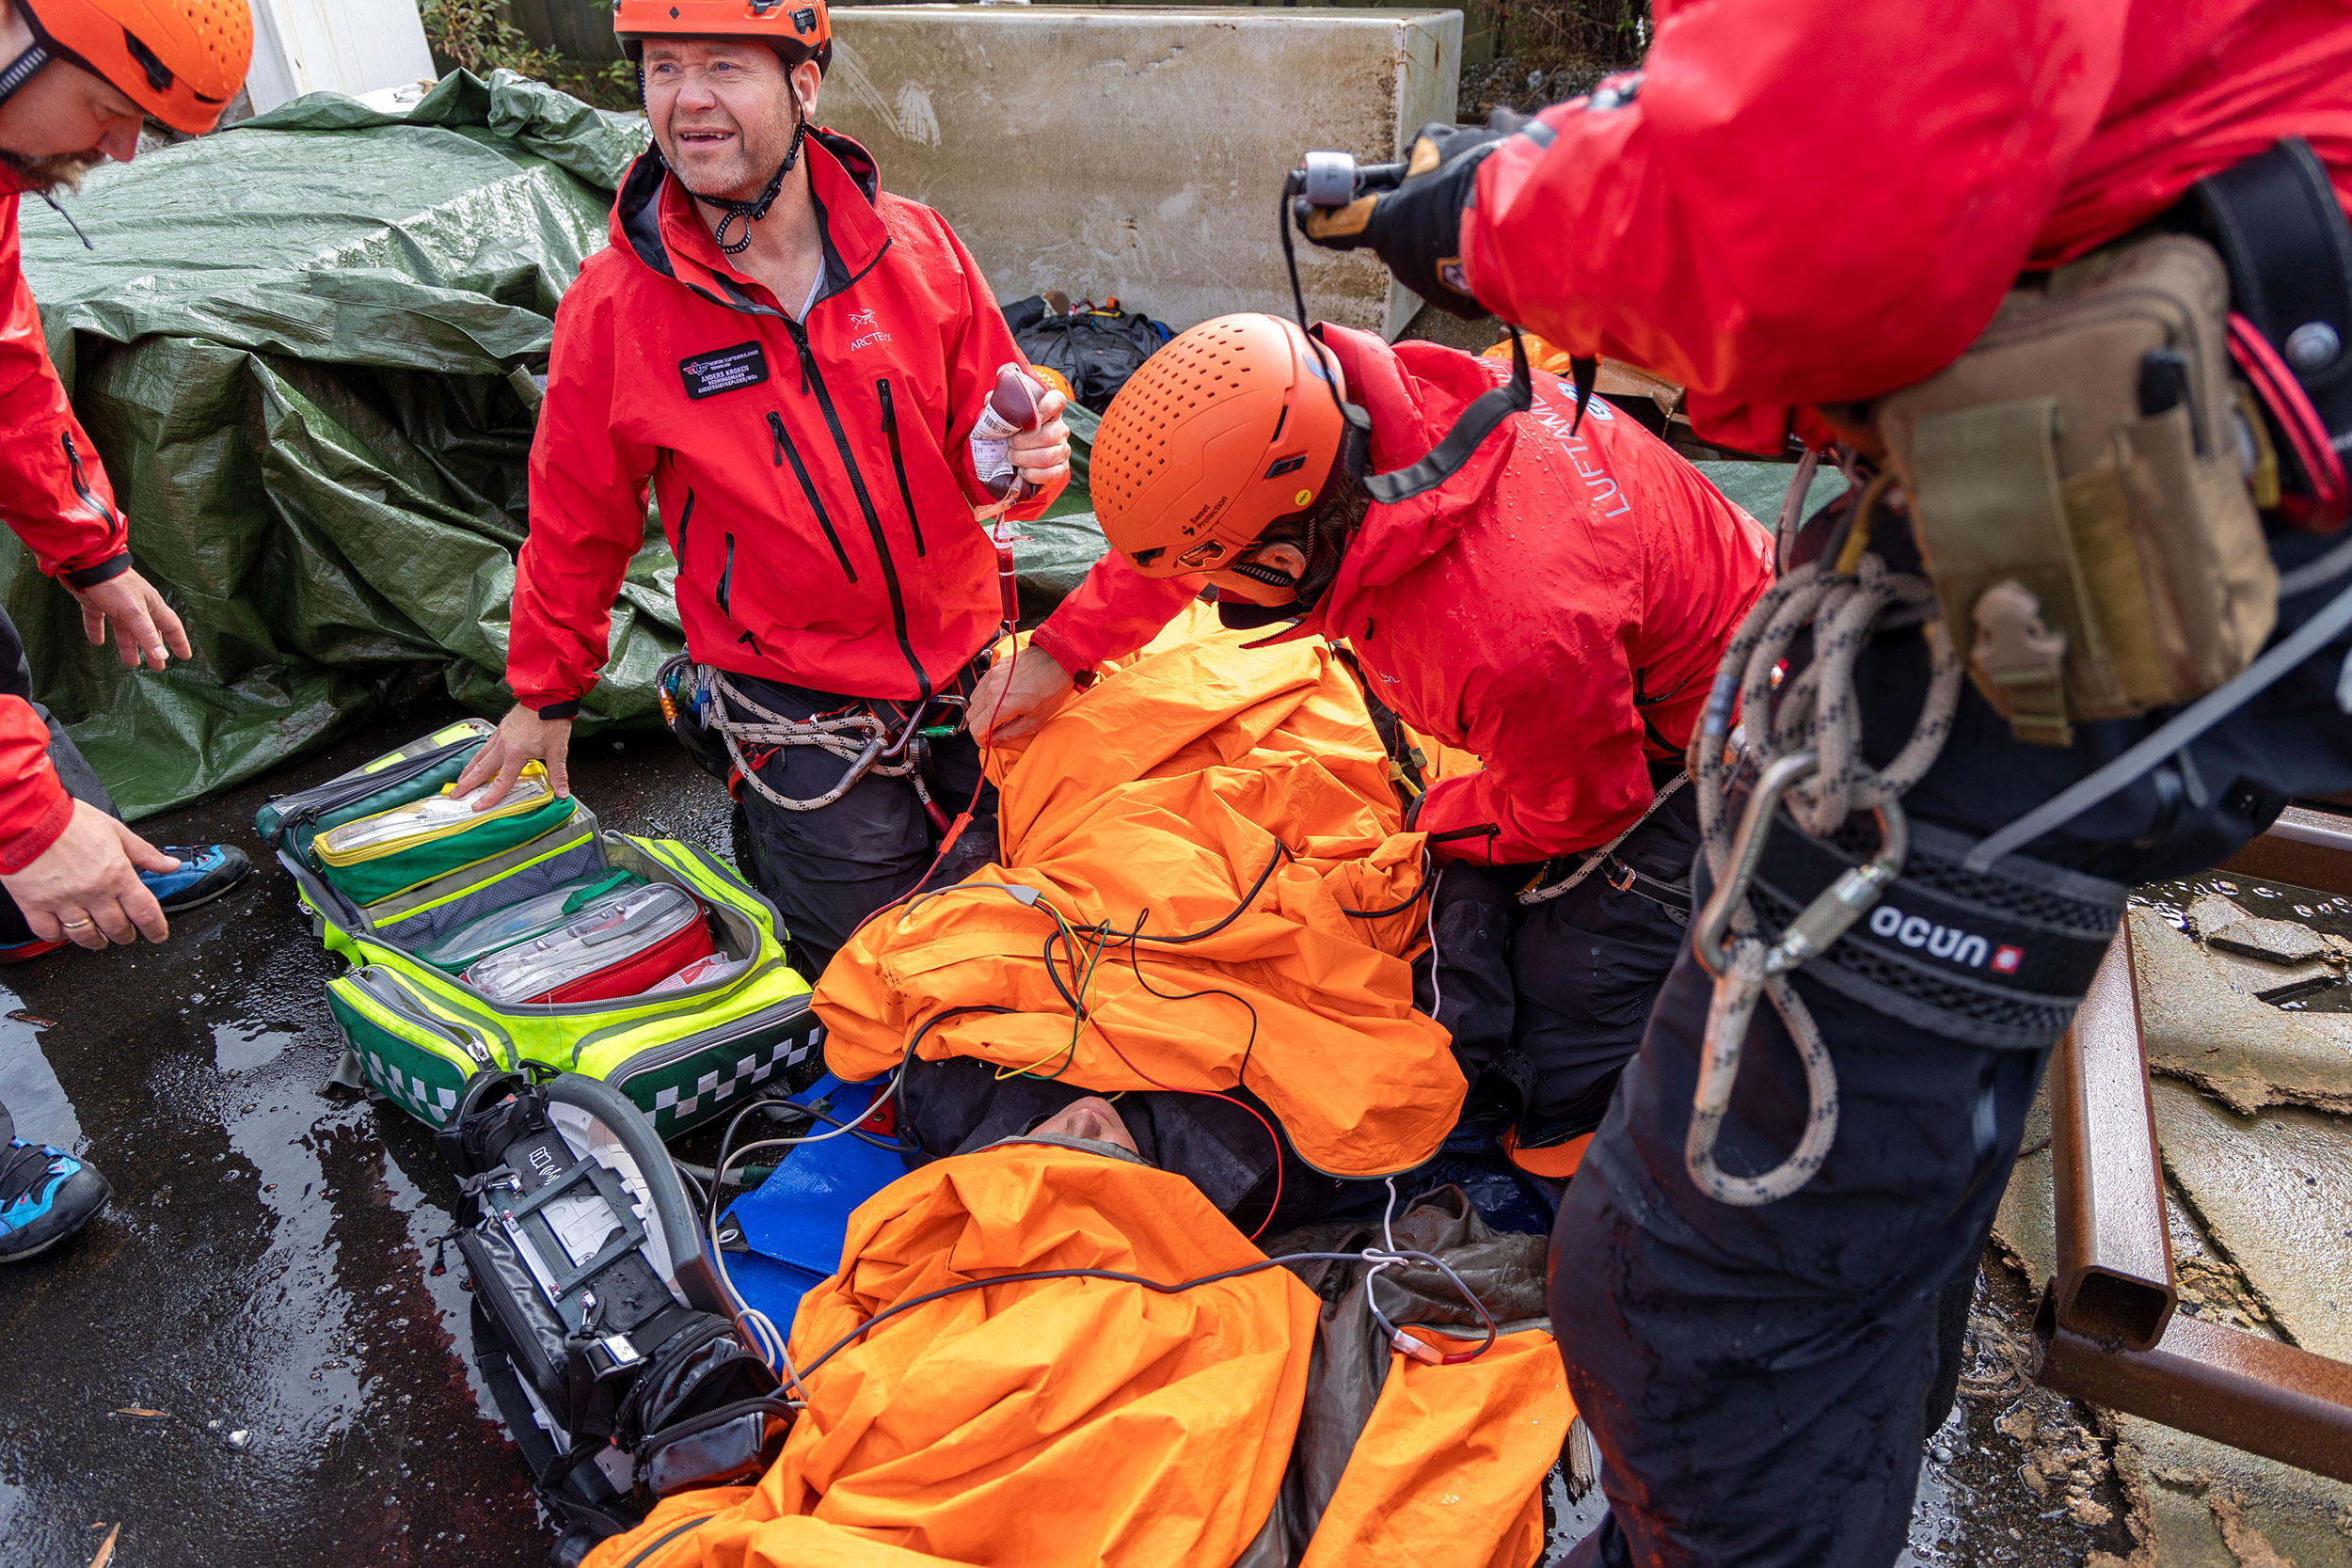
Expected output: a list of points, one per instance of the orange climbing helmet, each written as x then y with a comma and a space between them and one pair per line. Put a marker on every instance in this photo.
803, 22
1230, 428
179, 60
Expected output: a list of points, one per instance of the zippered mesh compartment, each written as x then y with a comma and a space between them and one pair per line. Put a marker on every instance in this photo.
503, 886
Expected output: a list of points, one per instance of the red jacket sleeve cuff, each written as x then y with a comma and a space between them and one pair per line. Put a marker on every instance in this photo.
32, 843
90, 577
1048, 640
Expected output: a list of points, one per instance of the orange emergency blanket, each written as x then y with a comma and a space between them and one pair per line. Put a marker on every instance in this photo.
1079, 1423
1204, 787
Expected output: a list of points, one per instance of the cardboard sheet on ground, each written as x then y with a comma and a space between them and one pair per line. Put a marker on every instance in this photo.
1061, 1423
1200, 781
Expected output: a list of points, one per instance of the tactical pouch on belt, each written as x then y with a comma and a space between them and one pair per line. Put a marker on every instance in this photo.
2079, 486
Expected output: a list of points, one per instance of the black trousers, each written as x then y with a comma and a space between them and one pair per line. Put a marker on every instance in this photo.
826, 870
1760, 1381
1547, 1002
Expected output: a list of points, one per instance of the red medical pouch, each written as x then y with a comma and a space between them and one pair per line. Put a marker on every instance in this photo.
639, 972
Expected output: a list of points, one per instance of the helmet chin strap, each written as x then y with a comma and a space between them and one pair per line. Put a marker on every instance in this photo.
749, 212
24, 69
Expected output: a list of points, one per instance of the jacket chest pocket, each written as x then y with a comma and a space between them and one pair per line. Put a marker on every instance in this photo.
783, 451
898, 458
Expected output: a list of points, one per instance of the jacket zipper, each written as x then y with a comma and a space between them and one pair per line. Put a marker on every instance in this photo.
81, 485
726, 577
663, 1540
815, 380
898, 462
824, 519
685, 515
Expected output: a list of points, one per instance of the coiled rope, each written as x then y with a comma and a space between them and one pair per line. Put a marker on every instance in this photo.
1815, 731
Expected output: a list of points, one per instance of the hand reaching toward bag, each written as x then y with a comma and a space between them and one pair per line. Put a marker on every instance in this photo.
523, 737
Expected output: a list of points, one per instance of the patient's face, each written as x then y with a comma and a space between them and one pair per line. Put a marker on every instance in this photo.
1094, 1118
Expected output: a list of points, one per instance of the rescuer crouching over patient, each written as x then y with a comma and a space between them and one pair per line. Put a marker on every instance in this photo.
796, 361
1556, 606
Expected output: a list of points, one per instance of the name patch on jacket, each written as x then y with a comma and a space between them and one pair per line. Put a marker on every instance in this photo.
724, 369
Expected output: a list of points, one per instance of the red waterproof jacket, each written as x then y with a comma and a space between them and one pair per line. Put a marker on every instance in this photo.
1819, 200
53, 494
1556, 608
812, 475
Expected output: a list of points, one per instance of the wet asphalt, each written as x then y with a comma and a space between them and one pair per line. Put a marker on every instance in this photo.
246, 1359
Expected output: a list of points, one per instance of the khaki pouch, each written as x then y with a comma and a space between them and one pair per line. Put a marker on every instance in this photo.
2091, 560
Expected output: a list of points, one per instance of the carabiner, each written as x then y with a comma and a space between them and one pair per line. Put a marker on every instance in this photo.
1830, 915
1710, 937
1847, 899
896, 748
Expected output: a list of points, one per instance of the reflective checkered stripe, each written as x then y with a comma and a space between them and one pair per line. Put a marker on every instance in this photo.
420, 1099
680, 1105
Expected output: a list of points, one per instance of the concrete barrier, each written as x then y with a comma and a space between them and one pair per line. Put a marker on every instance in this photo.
1136, 151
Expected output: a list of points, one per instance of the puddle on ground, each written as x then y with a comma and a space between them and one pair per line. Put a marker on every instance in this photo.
41, 1109
2321, 911
242, 1047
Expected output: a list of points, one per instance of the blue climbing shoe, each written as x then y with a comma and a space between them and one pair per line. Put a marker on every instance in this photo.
206, 871
46, 1195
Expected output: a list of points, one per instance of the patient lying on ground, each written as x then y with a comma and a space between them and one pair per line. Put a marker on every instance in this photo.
1087, 1420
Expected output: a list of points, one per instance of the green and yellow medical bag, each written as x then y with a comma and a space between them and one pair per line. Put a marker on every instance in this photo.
416, 1032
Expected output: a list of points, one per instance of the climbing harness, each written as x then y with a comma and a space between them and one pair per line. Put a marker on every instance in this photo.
1808, 747
864, 740
1619, 875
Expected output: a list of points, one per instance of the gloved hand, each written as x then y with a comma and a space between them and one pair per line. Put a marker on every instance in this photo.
1416, 227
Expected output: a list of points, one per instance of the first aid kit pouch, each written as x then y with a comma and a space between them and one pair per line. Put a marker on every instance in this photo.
2079, 480
621, 945
561, 856
389, 852
413, 771
519, 922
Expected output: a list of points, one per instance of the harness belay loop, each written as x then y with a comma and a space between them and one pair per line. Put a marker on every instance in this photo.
1808, 747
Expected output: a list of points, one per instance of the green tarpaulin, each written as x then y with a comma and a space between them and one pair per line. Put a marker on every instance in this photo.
302, 347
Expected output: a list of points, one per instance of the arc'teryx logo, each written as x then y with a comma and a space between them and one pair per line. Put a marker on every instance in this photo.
861, 318
1950, 942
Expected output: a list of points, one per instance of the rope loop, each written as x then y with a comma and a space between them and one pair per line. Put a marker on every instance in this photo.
1818, 712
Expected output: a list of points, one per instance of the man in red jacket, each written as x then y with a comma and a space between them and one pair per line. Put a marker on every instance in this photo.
1556, 608
796, 361
75, 78
1802, 204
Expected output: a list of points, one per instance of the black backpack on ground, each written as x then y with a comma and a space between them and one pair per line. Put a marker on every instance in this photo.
1095, 350
600, 1325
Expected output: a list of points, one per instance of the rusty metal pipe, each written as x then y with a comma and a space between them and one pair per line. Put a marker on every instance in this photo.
2114, 1282
2259, 1394
2308, 846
